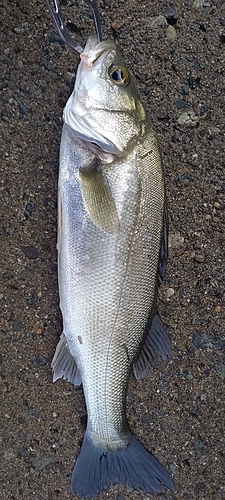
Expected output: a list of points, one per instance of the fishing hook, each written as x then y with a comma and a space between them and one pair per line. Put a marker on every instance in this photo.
57, 18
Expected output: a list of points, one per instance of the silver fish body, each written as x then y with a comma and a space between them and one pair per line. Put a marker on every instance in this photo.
111, 255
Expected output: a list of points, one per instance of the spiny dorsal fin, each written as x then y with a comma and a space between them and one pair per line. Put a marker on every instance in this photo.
97, 198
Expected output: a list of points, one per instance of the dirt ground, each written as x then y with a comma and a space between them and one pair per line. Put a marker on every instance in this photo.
178, 411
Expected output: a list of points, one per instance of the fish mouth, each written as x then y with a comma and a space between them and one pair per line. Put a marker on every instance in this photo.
95, 51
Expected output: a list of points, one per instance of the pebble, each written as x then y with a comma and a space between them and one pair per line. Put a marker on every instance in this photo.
217, 309
41, 360
188, 375
32, 414
32, 299
171, 33
205, 341
30, 208
173, 469
170, 15
117, 25
22, 28
169, 292
55, 38
199, 258
158, 22
221, 369
17, 326
9, 455
43, 462
180, 103
188, 119
30, 252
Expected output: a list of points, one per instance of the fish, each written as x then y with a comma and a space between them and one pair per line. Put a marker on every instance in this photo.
112, 253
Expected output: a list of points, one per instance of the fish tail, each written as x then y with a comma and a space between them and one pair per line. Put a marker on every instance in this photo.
97, 468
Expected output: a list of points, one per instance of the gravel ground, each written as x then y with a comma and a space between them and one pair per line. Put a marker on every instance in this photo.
178, 412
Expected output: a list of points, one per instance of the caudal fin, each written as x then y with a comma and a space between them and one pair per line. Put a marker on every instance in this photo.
96, 469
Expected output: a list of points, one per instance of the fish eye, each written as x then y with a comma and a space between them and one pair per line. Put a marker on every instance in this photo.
119, 75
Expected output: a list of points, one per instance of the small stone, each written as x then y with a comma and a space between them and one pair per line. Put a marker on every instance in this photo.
193, 82
180, 103
30, 252
169, 292
217, 309
171, 33
43, 462
24, 452
22, 28
17, 326
205, 341
215, 130
221, 369
41, 360
198, 4
30, 208
216, 204
173, 469
48, 65
9, 455
54, 37
170, 15
22, 436
117, 25
188, 119
199, 258
32, 299
158, 22
32, 414
188, 375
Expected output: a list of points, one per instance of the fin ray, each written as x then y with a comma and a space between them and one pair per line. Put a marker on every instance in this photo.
156, 347
97, 468
63, 364
97, 198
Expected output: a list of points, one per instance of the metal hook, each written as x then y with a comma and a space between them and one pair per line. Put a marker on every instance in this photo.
93, 5
57, 17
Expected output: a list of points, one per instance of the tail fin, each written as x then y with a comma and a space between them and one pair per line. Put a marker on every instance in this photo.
96, 469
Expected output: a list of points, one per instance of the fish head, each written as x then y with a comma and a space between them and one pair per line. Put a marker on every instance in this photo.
105, 107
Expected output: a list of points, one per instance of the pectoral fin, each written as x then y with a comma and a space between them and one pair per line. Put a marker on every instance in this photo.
97, 198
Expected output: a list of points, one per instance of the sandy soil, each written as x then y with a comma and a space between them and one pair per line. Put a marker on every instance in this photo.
178, 412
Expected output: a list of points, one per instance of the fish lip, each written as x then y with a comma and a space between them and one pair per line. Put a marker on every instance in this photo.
96, 51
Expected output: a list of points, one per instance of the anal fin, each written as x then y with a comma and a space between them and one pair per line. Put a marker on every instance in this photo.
63, 364
156, 347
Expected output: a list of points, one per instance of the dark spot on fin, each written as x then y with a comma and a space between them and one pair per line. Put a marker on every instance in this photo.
97, 468
156, 347
97, 198
63, 363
